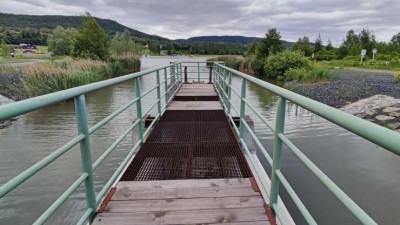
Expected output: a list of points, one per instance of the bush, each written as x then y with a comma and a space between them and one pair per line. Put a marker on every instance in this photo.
316, 74
295, 74
325, 55
277, 65
397, 77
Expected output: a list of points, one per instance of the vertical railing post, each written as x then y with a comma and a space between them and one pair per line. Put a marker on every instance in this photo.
198, 71
158, 92
242, 108
276, 164
224, 97
86, 156
229, 93
166, 85
180, 71
210, 76
172, 78
139, 109
186, 74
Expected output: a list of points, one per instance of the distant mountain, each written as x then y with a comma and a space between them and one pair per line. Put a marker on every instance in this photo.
50, 22
225, 39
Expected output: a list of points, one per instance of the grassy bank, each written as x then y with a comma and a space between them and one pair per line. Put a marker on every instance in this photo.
234, 62
43, 78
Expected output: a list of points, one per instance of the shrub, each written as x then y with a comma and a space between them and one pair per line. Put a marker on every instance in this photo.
325, 55
277, 65
295, 74
397, 77
316, 74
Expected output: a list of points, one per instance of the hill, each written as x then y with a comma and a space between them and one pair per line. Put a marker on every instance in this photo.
18, 21
226, 39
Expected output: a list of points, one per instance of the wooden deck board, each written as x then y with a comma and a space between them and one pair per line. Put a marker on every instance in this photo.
195, 105
200, 183
184, 204
127, 194
195, 201
205, 216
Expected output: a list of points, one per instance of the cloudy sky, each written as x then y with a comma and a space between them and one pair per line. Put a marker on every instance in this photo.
186, 18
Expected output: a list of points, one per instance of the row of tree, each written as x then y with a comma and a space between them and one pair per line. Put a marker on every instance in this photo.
352, 44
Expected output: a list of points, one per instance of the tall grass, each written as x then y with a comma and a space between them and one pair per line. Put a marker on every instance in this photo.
43, 78
233, 62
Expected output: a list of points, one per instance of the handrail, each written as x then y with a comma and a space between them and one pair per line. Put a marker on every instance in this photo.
379, 135
170, 83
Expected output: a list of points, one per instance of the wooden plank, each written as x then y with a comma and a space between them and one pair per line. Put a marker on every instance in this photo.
195, 105
199, 183
183, 217
196, 94
126, 194
196, 85
184, 204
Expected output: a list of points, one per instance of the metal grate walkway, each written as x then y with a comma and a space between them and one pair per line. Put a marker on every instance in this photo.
195, 143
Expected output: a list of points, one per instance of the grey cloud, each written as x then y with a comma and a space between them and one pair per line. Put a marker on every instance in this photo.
183, 19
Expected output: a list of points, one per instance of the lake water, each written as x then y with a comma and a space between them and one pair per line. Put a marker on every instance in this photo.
367, 173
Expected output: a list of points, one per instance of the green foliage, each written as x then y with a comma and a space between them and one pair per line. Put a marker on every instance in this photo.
91, 42
46, 23
252, 48
277, 65
325, 55
122, 44
230, 61
318, 44
303, 45
295, 74
329, 46
397, 77
271, 44
5, 50
60, 41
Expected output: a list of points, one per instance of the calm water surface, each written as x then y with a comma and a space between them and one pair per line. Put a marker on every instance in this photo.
367, 173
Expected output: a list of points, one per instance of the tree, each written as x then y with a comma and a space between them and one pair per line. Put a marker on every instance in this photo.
253, 48
91, 41
318, 44
60, 41
271, 44
303, 45
122, 44
395, 39
367, 40
329, 46
5, 50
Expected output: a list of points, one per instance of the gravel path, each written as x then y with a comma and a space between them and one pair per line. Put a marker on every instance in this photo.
348, 85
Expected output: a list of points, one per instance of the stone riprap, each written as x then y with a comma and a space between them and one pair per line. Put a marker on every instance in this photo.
380, 109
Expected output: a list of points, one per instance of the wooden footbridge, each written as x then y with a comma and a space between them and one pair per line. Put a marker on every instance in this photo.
193, 160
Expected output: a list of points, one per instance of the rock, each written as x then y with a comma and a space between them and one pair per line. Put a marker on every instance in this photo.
370, 112
394, 114
394, 126
384, 117
391, 109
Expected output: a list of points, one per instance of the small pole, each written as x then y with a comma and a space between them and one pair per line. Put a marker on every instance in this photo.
139, 109
158, 93
242, 108
276, 163
210, 76
86, 156
186, 74
229, 93
166, 85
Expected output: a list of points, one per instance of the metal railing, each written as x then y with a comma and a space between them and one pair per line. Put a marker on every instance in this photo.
170, 83
379, 135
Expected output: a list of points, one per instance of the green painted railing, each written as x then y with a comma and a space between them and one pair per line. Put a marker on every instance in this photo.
168, 80
170, 84
379, 135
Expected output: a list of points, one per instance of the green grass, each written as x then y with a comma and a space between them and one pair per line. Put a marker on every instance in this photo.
369, 64
13, 60
234, 62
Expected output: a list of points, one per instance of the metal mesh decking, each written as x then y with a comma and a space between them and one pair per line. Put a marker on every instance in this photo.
189, 145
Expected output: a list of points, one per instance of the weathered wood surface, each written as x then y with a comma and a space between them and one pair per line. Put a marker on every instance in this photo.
195, 105
198, 201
